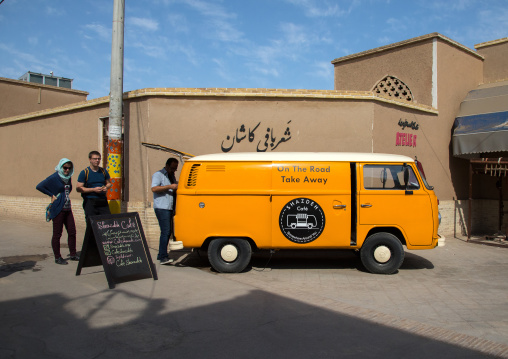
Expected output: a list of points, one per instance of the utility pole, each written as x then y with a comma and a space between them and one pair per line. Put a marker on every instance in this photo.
115, 142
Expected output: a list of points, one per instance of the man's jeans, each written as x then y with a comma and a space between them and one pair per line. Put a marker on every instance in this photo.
93, 207
164, 216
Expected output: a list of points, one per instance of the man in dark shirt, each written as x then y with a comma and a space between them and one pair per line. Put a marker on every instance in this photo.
93, 184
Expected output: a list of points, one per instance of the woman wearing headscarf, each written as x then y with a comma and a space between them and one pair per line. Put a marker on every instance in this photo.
58, 186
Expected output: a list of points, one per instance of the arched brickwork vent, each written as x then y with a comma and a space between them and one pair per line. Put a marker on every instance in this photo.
393, 87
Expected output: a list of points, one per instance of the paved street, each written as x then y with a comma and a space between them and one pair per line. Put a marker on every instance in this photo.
448, 302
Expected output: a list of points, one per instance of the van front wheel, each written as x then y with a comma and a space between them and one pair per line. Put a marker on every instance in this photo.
382, 253
229, 255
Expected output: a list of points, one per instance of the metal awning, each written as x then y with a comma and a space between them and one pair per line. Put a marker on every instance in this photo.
481, 126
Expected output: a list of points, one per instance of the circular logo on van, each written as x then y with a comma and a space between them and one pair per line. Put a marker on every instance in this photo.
302, 220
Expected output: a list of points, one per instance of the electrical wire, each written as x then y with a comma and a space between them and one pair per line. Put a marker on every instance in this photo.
266, 265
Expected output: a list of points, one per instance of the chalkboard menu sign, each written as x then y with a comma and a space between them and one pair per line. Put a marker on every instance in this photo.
122, 248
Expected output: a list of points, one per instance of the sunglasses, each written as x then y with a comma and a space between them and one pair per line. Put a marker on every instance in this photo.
66, 168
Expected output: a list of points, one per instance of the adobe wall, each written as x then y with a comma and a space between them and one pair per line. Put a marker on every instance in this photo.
458, 73
411, 63
410, 133
201, 126
20, 97
495, 54
440, 73
38, 144
454, 214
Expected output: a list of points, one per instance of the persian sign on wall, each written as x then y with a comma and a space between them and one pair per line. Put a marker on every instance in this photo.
267, 142
404, 138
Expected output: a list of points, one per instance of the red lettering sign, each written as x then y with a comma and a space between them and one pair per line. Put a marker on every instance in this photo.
405, 139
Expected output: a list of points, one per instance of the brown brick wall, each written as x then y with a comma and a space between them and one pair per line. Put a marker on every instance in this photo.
485, 217
33, 209
454, 215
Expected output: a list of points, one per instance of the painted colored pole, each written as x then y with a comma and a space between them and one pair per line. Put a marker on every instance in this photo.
115, 143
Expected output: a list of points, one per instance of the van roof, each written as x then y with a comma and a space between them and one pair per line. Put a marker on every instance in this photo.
303, 156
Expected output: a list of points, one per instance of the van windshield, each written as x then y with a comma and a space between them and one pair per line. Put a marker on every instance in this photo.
422, 175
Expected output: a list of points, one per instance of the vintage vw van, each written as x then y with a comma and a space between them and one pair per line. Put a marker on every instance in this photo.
233, 204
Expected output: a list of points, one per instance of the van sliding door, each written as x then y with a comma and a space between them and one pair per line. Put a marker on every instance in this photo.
311, 204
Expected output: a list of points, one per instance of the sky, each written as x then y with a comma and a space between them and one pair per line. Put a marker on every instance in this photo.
286, 44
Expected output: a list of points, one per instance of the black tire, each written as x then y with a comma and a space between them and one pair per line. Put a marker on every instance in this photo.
229, 255
382, 253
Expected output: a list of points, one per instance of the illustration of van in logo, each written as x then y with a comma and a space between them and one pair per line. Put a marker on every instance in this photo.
302, 220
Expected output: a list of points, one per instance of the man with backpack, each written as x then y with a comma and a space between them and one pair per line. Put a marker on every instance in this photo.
93, 184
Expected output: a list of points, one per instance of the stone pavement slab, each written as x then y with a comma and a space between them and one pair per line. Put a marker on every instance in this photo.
460, 286
299, 306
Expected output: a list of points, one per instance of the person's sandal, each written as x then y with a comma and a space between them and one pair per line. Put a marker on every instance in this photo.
60, 261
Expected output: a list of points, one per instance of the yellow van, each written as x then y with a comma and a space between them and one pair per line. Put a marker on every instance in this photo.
233, 204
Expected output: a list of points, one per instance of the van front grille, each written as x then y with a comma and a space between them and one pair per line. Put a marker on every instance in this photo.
193, 175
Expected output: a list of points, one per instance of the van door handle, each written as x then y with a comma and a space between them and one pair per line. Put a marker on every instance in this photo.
339, 206
366, 205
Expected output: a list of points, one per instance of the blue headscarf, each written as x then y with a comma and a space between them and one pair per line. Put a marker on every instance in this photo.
60, 170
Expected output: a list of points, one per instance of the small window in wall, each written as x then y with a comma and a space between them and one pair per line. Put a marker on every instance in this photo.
393, 87
52, 81
36, 79
394, 177
65, 83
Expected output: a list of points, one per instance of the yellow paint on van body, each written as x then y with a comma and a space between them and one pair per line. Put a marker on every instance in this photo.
412, 214
326, 183
303, 200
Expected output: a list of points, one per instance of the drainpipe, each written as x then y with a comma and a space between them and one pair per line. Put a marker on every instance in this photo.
470, 204
115, 143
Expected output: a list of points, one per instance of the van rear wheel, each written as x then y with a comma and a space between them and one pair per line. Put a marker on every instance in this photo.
229, 255
382, 253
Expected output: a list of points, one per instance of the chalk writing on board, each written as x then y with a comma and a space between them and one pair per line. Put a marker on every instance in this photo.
120, 246
118, 237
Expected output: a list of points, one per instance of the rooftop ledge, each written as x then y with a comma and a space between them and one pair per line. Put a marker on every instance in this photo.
231, 93
434, 35
490, 43
49, 87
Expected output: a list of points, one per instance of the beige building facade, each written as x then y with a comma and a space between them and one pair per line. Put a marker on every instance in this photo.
401, 98
20, 97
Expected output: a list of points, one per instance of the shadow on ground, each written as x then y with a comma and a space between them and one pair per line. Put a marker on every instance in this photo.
298, 259
254, 325
9, 265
